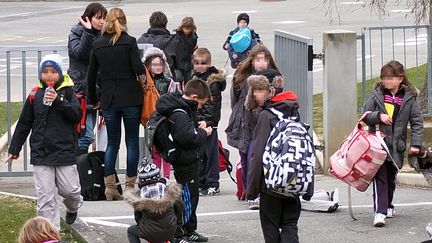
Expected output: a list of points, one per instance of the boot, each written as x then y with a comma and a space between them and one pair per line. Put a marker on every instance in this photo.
111, 192
130, 183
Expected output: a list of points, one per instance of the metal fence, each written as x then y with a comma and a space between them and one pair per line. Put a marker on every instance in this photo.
294, 58
19, 67
406, 44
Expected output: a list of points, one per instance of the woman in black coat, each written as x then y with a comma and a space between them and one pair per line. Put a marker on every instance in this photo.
80, 43
116, 64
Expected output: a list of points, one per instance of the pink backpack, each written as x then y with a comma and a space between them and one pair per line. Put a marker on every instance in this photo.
359, 157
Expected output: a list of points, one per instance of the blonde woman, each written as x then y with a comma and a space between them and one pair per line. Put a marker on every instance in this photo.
39, 230
115, 65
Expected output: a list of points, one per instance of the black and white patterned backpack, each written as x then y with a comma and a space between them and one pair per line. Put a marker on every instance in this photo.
289, 157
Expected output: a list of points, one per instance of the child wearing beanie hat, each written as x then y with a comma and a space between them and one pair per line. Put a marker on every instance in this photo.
242, 22
157, 206
52, 140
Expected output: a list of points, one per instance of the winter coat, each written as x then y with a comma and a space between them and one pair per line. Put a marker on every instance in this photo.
161, 83
211, 111
164, 40
241, 122
396, 135
53, 134
184, 129
185, 49
158, 219
79, 49
118, 65
266, 122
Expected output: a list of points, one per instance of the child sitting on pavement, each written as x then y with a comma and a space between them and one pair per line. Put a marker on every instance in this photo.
158, 208
211, 114
39, 230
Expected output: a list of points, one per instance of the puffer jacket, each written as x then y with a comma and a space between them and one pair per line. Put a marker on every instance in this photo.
79, 48
53, 134
185, 48
396, 135
158, 219
211, 111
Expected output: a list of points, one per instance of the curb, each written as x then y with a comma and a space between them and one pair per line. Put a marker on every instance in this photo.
4, 139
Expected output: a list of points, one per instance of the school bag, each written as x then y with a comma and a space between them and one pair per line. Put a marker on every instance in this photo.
150, 97
289, 157
241, 194
237, 57
241, 40
158, 134
224, 162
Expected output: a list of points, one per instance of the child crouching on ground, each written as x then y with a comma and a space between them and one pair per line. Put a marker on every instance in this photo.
158, 208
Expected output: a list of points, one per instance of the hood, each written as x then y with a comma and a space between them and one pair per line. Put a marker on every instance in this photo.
158, 31
67, 82
169, 102
217, 76
172, 194
285, 102
154, 51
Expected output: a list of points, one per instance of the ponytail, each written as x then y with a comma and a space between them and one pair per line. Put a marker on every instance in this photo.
115, 23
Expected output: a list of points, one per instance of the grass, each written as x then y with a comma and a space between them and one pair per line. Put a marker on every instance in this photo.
15, 212
416, 79
15, 113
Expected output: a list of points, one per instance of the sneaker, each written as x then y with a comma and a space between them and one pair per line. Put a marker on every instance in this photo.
254, 204
194, 236
379, 220
429, 230
211, 191
391, 213
181, 240
71, 217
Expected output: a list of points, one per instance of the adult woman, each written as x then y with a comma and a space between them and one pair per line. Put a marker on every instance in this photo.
80, 42
116, 63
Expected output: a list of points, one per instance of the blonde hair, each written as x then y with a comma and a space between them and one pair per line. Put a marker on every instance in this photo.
115, 23
202, 51
36, 230
187, 22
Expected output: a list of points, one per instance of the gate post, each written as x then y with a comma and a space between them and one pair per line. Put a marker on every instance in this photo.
340, 89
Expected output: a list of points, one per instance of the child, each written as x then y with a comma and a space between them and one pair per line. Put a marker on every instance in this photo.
211, 114
155, 61
52, 141
242, 122
157, 208
393, 104
188, 136
186, 39
278, 215
39, 230
242, 22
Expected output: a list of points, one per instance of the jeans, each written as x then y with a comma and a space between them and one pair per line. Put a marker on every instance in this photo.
84, 141
131, 118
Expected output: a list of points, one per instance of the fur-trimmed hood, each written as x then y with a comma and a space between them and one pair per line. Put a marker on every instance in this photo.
172, 194
220, 75
154, 51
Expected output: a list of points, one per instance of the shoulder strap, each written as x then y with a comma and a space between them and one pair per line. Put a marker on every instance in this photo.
32, 94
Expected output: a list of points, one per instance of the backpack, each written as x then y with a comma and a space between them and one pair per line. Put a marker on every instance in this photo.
224, 162
81, 125
158, 134
237, 57
241, 194
241, 40
289, 158
91, 174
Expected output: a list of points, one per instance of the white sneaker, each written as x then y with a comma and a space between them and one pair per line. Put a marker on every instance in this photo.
391, 213
429, 230
254, 204
379, 220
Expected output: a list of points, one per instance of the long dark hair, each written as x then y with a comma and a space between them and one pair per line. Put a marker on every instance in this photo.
94, 9
245, 68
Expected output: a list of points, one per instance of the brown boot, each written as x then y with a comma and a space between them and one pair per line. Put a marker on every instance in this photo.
111, 192
130, 183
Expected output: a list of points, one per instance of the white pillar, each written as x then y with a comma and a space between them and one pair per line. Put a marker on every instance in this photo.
340, 89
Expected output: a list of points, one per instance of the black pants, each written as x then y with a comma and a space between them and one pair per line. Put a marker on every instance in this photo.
183, 76
209, 169
133, 235
279, 219
189, 181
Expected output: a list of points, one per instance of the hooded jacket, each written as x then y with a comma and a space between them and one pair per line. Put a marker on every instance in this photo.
284, 103
216, 80
396, 135
79, 48
53, 135
162, 39
158, 219
185, 48
184, 129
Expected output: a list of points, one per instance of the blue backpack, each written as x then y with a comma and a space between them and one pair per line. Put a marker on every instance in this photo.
240, 45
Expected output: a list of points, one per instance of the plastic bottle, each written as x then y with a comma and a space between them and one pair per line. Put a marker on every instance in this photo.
49, 88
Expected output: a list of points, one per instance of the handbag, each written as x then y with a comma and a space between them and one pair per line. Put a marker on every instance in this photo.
151, 95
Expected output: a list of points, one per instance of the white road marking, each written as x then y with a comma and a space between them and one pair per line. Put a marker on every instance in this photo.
353, 3
244, 11
38, 12
17, 195
396, 205
290, 22
319, 63
401, 11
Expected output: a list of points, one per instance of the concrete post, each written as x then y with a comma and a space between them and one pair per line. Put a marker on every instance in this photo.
340, 89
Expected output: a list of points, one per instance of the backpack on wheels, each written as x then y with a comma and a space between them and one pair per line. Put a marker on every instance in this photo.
289, 158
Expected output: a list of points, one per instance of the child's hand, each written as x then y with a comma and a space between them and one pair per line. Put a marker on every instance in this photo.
85, 23
414, 150
51, 95
208, 130
386, 119
11, 157
226, 46
202, 124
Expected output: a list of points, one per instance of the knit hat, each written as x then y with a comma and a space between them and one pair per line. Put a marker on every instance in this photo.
51, 60
243, 16
156, 52
276, 80
148, 173
255, 82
